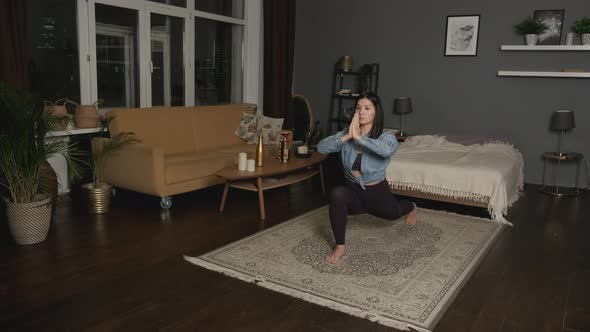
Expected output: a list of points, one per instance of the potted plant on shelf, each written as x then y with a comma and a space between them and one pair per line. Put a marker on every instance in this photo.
99, 192
582, 28
531, 28
23, 155
364, 76
86, 116
313, 136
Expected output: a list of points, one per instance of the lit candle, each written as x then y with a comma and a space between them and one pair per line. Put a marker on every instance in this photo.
302, 149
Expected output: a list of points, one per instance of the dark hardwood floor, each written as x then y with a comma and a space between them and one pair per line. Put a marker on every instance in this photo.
125, 272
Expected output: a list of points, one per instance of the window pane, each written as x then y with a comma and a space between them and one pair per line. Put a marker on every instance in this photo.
218, 62
233, 8
117, 56
52, 44
179, 3
167, 50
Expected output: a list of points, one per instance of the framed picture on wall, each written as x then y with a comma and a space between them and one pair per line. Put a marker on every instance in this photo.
462, 35
553, 18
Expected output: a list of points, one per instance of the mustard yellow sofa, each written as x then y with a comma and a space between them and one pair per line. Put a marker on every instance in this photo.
181, 148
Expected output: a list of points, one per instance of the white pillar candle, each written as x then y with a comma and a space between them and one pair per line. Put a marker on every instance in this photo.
302, 149
242, 157
251, 165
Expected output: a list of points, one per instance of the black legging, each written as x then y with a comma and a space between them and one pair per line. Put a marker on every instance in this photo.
351, 199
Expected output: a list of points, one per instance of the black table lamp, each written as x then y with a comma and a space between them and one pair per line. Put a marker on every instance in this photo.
562, 120
402, 105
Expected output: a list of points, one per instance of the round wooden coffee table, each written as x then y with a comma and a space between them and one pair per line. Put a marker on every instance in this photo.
273, 174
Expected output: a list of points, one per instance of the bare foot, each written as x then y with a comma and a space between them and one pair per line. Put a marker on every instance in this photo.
335, 256
411, 217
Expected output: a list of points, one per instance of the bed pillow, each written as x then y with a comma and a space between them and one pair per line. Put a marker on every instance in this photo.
475, 139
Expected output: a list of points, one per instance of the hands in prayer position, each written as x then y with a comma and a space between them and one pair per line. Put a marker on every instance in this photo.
354, 131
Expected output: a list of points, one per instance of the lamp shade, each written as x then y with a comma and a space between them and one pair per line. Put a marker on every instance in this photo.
345, 63
402, 105
563, 120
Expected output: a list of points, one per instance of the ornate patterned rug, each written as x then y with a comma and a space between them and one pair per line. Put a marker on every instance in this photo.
398, 275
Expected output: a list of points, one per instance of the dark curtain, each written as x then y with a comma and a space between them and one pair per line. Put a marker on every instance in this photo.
279, 47
13, 59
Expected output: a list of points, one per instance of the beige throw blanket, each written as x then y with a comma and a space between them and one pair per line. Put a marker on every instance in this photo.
431, 164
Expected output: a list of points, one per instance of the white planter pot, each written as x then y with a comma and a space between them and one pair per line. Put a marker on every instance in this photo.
586, 39
29, 222
531, 39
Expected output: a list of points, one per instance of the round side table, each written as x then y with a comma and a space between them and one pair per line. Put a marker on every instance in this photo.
576, 157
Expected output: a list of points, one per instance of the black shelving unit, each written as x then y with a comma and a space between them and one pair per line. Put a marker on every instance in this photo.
342, 79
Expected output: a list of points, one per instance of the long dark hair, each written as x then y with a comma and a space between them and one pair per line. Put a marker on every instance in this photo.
377, 129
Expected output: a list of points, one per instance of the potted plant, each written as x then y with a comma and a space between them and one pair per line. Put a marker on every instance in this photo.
99, 192
23, 154
57, 107
582, 28
531, 28
313, 136
364, 77
86, 116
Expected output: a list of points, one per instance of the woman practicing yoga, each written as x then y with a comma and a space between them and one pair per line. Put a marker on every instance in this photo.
365, 152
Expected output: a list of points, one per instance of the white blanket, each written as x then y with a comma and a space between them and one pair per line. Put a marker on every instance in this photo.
431, 164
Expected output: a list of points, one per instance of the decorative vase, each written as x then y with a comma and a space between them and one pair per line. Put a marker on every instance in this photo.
260, 152
531, 39
99, 199
29, 222
569, 40
86, 116
585, 39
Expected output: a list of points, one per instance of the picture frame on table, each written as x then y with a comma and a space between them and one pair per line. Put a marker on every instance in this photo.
553, 18
462, 35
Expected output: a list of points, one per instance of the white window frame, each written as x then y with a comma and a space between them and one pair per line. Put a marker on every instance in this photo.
166, 10
251, 46
165, 40
128, 36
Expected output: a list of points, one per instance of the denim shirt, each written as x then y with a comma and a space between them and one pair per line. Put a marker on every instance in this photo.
376, 154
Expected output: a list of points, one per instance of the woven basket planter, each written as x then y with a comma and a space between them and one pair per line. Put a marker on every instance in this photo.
57, 110
48, 181
86, 116
29, 222
99, 199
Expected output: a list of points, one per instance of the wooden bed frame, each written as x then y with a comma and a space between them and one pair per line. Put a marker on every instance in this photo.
419, 194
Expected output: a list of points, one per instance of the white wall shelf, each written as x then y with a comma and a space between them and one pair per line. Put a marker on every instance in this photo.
72, 131
544, 74
545, 48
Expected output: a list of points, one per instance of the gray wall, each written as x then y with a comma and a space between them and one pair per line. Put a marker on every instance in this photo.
459, 95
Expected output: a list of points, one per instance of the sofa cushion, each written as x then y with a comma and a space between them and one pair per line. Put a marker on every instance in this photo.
216, 127
247, 130
168, 128
189, 166
270, 129
235, 149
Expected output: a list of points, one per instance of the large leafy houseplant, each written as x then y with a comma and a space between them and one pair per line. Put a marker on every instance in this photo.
24, 150
99, 191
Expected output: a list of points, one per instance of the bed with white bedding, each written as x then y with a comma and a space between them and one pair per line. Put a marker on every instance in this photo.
488, 175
